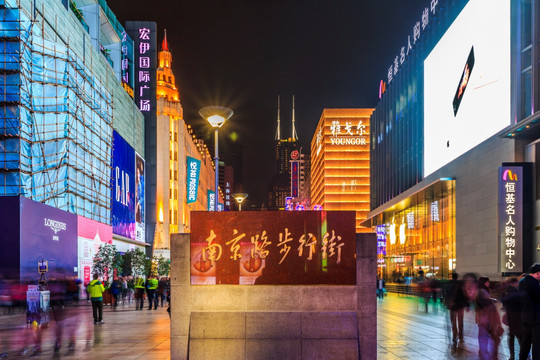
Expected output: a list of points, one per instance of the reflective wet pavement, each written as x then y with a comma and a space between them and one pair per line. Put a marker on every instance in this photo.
126, 334
405, 331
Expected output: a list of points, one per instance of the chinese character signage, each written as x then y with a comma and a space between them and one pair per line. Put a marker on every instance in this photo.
511, 218
381, 239
273, 248
413, 37
145, 66
193, 172
127, 63
348, 133
144, 36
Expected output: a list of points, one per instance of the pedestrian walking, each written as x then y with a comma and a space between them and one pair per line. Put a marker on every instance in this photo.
139, 293
130, 289
151, 288
456, 303
160, 292
96, 289
511, 299
116, 291
487, 317
380, 288
124, 290
530, 313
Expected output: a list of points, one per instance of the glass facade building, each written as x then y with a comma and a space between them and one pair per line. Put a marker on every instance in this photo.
408, 192
397, 139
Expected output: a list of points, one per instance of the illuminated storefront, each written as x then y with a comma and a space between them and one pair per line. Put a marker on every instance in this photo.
418, 233
340, 162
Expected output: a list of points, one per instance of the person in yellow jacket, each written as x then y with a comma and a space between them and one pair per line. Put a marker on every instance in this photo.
139, 293
151, 287
96, 289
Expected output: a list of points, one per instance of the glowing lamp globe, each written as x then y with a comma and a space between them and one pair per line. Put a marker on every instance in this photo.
216, 115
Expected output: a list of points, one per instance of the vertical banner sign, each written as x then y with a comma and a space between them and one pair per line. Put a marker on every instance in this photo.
127, 63
510, 219
144, 35
227, 195
139, 198
193, 171
381, 240
211, 200
145, 50
294, 179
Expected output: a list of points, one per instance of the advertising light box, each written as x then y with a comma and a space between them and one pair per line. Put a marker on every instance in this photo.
467, 83
91, 234
273, 247
50, 234
123, 188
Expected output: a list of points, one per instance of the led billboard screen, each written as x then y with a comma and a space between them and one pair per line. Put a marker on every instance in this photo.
273, 247
467, 83
123, 188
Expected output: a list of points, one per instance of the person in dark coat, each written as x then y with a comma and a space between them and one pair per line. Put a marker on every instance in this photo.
530, 314
455, 301
511, 299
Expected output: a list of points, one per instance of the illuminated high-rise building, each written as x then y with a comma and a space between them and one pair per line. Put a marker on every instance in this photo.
340, 162
173, 209
280, 186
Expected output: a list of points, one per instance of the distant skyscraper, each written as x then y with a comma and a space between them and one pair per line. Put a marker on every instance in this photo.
280, 186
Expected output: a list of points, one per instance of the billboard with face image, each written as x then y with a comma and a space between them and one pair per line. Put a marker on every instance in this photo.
467, 83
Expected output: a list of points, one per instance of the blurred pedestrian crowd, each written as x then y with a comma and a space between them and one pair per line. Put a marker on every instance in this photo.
512, 306
61, 310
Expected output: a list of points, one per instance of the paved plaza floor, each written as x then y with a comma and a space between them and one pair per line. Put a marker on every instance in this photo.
405, 331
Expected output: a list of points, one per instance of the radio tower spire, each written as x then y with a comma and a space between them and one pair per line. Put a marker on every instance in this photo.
294, 135
278, 133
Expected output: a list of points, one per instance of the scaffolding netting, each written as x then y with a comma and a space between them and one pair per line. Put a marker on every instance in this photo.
55, 120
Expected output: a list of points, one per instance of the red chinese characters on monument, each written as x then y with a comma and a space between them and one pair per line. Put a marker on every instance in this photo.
273, 248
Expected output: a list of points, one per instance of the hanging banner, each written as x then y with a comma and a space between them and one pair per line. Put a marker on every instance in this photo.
193, 172
211, 200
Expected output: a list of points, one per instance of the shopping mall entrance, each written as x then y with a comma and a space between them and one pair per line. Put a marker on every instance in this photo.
416, 237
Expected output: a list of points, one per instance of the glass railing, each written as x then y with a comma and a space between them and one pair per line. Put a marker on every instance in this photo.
78, 15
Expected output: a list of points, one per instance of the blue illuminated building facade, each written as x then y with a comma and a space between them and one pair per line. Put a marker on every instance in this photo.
434, 185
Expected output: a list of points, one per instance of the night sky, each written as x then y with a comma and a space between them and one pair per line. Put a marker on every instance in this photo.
244, 53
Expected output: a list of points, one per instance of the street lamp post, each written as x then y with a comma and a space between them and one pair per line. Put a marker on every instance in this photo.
216, 116
240, 197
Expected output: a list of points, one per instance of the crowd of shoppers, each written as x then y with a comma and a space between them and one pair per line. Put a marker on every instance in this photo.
65, 318
519, 302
